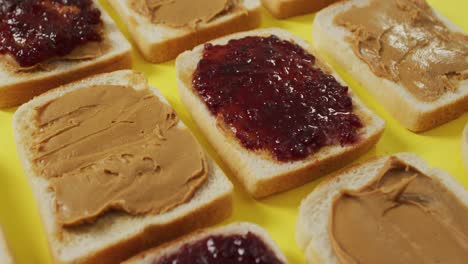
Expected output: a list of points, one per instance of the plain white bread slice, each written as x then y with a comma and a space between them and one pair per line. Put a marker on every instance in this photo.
233, 229
262, 176
19, 87
465, 147
314, 212
288, 8
417, 115
159, 43
116, 236
5, 256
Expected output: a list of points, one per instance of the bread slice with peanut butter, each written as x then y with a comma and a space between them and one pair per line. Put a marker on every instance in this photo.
113, 170
393, 209
406, 54
46, 44
163, 29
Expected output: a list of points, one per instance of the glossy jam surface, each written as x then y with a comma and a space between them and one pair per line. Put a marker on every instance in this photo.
33, 31
246, 249
273, 98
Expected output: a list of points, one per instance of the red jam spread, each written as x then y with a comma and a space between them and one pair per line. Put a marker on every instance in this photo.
223, 250
32, 31
273, 98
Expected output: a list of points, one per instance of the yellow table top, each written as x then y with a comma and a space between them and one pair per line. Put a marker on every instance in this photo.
440, 147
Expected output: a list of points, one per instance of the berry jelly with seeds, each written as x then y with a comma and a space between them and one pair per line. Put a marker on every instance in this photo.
232, 249
273, 97
32, 31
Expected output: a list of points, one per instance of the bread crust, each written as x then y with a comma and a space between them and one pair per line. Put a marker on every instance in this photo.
236, 157
314, 209
202, 210
417, 116
5, 255
168, 49
282, 9
465, 147
35, 83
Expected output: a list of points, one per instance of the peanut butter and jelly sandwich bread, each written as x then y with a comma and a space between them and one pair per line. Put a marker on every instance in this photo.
242, 243
163, 29
113, 170
408, 56
392, 209
274, 111
44, 44
287, 8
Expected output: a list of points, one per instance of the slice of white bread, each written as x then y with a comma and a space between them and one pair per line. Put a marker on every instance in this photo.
417, 116
19, 87
159, 43
116, 236
152, 255
314, 213
261, 175
465, 147
5, 256
287, 8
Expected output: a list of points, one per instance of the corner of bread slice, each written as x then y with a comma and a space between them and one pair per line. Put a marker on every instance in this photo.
239, 228
418, 116
19, 87
464, 142
5, 255
160, 43
260, 175
282, 9
314, 212
116, 236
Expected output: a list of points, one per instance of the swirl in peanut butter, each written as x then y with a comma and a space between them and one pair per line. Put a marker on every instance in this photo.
403, 216
404, 41
115, 148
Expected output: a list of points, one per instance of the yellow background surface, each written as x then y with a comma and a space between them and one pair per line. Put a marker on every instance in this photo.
440, 147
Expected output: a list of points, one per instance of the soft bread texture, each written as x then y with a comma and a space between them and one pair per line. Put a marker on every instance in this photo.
465, 147
116, 236
417, 116
19, 87
5, 256
262, 176
159, 43
314, 212
237, 228
287, 8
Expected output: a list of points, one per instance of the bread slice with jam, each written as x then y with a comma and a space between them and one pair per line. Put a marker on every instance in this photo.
20, 84
261, 173
233, 243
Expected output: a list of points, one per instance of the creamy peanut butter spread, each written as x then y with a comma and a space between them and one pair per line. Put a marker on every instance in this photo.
183, 13
403, 216
404, 41
114, 148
